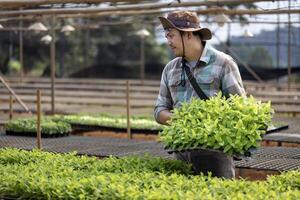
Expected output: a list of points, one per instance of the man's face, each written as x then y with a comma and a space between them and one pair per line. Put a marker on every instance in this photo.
174, 41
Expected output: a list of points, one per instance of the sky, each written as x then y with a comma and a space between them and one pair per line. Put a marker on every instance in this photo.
255, 28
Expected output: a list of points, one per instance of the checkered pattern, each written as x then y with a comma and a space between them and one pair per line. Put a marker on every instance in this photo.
215, 71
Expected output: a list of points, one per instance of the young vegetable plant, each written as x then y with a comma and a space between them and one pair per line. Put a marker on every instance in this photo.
231, 125
140, 123
41, 175
28, 126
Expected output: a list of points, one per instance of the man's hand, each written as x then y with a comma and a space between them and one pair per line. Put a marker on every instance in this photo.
164, 116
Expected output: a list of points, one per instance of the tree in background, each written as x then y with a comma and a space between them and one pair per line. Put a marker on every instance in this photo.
260, 57
109, 48
255, 56
36, 54
113, 50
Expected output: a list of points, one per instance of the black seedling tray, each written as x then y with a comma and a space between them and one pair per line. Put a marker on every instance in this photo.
33, 134
277, 128
83, 127
246, 155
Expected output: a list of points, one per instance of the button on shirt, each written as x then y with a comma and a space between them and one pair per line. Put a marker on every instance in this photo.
215, 71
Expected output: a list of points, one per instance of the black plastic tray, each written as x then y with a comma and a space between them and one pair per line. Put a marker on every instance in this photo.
277, 128
83, 127
33, 134
246, 155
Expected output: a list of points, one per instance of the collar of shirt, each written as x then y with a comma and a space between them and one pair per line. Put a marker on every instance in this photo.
192, 64
205, 56
203, 60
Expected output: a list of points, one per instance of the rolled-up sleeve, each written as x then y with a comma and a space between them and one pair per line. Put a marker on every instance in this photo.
231, 79
164, 99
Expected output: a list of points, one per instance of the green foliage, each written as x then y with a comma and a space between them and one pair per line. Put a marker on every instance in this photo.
128, 164
231, 125
28, 125
111, 45
260, 57
40, 175
14, 65
255, 56
116, 46
140, 123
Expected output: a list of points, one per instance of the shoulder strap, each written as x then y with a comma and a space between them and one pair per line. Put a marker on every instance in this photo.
193, 81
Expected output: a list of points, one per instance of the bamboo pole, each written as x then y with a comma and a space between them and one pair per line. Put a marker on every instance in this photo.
38, 125
128, 109
10, 107
30, 3
149, 6
215, 11
14, 94
99, 24
208, 11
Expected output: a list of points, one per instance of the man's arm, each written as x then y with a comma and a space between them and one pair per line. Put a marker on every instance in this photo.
164, 116
164, 101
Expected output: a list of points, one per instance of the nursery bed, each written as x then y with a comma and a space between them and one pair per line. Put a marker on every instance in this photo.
265, 158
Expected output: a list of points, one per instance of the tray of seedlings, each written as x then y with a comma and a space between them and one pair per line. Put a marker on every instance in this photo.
144, 125
234, 125
28, 127
43, 175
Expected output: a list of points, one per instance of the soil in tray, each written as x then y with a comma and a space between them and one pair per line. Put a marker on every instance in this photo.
31, 134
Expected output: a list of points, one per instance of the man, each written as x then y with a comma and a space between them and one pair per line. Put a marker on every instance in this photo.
213, 71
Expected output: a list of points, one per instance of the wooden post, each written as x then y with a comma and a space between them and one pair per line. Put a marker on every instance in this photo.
38, 125
14, 94
86, 45
278, 38
52, 57
289, 49
21, 50
128, 109
10, 107
142, 69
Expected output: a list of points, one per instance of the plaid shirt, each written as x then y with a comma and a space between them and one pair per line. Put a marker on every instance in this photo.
215, 71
